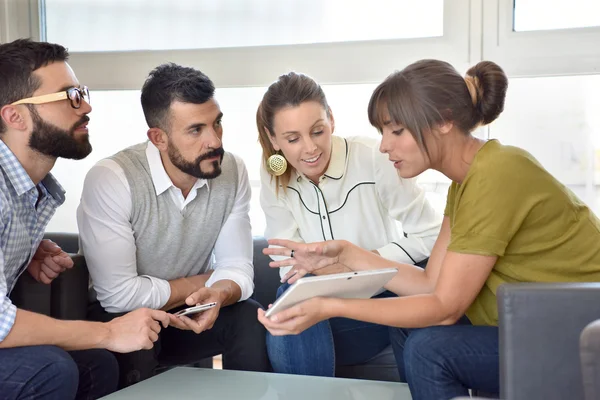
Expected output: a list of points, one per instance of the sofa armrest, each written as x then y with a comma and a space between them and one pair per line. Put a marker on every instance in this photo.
589, 345
69, 298
539, 328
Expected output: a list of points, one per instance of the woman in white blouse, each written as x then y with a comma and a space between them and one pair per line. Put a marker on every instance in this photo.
316, 186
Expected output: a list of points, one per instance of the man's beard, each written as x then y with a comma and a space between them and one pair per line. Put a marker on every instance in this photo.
193, 168
53, 141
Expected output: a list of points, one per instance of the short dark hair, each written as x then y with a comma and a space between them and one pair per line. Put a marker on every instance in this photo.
171, 82
18, 60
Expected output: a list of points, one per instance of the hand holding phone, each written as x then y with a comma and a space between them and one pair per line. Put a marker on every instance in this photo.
195, 310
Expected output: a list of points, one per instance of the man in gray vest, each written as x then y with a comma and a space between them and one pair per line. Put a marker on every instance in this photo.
164, 224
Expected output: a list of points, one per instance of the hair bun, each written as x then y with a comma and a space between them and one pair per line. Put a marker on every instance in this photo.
473, 86
487, 84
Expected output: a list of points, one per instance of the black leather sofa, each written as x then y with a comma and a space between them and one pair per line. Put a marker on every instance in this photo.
67, 298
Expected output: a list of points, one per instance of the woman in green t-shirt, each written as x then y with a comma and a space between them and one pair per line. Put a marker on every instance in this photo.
506, 220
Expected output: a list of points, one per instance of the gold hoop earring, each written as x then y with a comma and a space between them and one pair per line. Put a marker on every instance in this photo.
276, 164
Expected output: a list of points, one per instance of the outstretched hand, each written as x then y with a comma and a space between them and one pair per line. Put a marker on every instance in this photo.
304, 258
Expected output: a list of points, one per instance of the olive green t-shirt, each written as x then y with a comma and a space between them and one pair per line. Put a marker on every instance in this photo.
509, 206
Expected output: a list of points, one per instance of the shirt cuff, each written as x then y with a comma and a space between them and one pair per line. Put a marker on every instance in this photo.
149, 292
161, 295
7, 319
235, 274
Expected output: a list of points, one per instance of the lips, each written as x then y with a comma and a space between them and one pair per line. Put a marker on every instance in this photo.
312, 160
82, 127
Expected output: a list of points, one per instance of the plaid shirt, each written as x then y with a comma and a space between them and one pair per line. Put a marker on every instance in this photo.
25, 210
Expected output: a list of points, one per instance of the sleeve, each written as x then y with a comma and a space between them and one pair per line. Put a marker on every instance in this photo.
234, 248
107, 241
449, 210
486, 214
405, 202
280, 222
8, 311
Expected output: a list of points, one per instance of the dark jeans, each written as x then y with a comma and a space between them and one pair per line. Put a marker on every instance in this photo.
48, 372
443, 362
236, 334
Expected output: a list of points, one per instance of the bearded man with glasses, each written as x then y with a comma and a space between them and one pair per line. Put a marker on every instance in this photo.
44, 115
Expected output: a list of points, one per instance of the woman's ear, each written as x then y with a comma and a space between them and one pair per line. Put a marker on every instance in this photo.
444, 128
331, 120
273, 140
159, 138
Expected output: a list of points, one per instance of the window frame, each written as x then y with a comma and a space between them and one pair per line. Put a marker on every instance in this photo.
329, 63
537, 53
20, 19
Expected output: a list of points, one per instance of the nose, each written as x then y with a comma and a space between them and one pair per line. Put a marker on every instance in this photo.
384, 146
214, 140
310, 146
84, 108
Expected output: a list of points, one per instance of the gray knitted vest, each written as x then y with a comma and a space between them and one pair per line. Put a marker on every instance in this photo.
170, 243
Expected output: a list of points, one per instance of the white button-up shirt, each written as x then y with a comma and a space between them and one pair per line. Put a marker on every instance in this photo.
360, 198
108, 242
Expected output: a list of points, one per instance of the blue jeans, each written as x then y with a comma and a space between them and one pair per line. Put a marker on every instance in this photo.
48, 372
439, 362
443, 362
322, 347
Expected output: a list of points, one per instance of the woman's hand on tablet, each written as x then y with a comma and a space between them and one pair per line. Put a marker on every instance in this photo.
298, 318
304, 258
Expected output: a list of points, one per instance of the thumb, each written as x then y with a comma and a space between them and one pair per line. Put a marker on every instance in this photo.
197, 297
50, 247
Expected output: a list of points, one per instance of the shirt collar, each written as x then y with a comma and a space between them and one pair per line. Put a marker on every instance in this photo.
20, 180
339, 154
160, 178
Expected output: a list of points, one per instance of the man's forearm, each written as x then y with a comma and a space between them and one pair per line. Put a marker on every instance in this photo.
230, 291
181, 288
32, 329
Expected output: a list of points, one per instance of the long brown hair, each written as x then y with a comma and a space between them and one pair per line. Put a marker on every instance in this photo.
429, 93
290, 90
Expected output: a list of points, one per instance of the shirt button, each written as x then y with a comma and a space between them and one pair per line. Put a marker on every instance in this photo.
324, 217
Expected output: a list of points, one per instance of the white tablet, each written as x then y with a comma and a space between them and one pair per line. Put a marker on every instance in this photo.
347, 285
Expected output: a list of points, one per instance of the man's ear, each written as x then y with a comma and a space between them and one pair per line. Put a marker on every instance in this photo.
159, 138
13, 117
273, 141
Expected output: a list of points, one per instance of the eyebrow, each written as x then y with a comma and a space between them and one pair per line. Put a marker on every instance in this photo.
387, 122
202, 124
67, 87
296, 132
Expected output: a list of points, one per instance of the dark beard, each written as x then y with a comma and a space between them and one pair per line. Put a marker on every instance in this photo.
55, 142
193, 168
